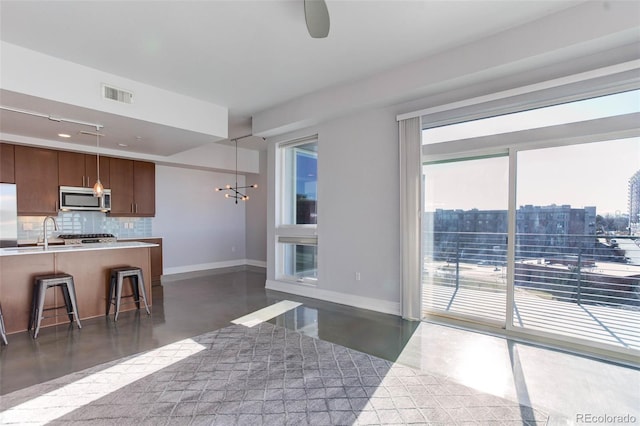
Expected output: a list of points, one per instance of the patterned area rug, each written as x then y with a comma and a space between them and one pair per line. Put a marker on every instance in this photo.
265, 375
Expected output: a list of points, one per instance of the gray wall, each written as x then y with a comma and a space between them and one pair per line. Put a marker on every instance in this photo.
358, 217
200, 228
256, 219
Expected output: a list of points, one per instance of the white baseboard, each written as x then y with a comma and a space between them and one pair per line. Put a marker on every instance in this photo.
307, 290
213, 265
203, 266
258, 263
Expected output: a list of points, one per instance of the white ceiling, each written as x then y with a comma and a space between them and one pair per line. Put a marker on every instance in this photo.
247, 56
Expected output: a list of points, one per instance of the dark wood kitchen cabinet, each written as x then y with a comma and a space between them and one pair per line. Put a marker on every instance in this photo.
144, 188
92, 170
133, 188
156, 260
76, 169
121, 187
36, 178
7, 163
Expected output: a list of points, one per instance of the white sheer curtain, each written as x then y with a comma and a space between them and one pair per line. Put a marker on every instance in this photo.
410, 215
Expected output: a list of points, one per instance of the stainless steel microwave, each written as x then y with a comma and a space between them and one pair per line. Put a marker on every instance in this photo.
79, 198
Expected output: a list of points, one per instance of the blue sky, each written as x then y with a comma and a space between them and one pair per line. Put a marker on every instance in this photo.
592, 174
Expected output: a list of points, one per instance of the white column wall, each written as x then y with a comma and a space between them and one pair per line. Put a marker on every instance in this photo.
358, 217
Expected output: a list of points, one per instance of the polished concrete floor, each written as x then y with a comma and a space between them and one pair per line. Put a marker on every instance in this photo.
569, 387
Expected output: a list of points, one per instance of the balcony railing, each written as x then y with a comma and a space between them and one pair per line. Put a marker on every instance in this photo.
582, 285
580, 269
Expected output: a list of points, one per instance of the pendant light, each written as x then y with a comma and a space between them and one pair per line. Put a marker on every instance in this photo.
233, 190
98, 189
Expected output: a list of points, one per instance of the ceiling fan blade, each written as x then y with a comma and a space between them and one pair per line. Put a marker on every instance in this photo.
316, 15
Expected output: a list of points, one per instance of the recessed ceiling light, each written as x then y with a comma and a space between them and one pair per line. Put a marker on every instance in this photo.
64, 135
123, 145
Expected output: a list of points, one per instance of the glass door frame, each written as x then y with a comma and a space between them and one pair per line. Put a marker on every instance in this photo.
533, 334
489, 154
509, 329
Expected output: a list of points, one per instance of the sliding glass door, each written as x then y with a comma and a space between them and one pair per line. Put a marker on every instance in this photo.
531, 223
464, 237
577, 264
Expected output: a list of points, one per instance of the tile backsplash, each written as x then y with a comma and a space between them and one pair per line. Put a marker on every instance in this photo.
30, 227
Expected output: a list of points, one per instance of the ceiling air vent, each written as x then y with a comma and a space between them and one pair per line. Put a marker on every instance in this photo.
115, 94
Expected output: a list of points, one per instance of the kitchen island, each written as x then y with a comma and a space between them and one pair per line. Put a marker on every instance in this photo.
90, 265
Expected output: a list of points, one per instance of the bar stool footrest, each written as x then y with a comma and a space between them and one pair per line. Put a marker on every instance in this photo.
40, 286
116, 280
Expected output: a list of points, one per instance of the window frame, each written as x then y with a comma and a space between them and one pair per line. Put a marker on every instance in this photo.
287, 233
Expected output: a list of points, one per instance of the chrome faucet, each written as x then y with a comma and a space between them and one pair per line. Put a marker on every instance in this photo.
44, 230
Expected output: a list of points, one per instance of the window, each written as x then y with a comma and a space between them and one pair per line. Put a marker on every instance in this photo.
300, 261
564, 113
300, 184
297, 245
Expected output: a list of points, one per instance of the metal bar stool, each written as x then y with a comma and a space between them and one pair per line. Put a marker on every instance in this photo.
137, 286
41, 284
3, 331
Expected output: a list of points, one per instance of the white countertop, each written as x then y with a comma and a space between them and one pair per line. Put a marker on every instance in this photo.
16, 251
56, 240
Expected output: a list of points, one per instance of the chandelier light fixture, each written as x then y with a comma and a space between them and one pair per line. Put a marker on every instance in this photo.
98, 189
234, 191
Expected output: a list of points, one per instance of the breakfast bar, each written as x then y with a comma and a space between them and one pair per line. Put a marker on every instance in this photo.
90, 265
